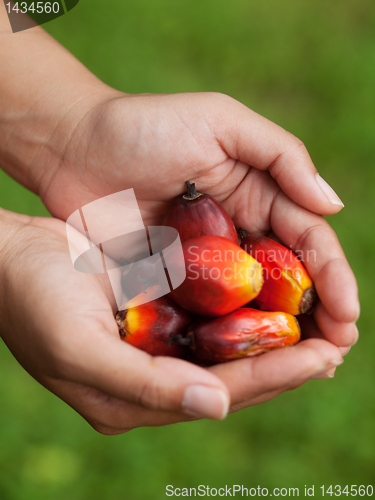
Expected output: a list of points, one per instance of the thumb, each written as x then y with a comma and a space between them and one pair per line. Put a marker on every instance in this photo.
158, 383
260, 143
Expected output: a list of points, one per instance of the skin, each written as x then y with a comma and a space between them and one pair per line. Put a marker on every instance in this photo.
72, 139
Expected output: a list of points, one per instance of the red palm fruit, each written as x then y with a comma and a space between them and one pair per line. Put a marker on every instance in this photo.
195, 214
240, 334
220, 277
287, 285
151, 326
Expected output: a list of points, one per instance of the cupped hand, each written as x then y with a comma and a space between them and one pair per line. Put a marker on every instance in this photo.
262, 175
59, 324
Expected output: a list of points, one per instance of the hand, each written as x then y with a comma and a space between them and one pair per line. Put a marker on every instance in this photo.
262, 175
59, 324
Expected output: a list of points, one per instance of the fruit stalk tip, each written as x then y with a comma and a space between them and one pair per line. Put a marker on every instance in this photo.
242, 233
178, 339
192, 193
307, 303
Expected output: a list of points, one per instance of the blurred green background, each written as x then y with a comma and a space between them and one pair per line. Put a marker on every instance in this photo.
309, 66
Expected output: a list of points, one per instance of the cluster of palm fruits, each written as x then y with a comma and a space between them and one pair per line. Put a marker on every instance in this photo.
238, 300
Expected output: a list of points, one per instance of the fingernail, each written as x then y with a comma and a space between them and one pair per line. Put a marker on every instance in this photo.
357, 334
205, 402
328, 374
328, 370
335, 362
328, 191
358, 312
344, 350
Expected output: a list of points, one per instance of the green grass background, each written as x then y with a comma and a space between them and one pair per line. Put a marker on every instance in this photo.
310, 66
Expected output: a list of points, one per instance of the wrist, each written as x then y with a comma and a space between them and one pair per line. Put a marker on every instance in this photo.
35, 138
44, 90
67, 122
11, 236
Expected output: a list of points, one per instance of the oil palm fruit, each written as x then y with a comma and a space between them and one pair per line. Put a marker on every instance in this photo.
196, 214
151, 326
220, 277
242, 333
287, 286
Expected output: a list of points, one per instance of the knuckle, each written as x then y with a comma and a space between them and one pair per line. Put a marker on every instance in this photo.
292, 149
220, 96
219, 100
316, 230
150, 395
295, 384
295, 143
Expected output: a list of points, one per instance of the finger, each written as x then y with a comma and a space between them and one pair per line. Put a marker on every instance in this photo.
252, 139
107, 414
344, 350
267, 396
116, 368
263, 398
310, 329
314, 332
328, 374
249, 378
339, 333
316, 242
249, 206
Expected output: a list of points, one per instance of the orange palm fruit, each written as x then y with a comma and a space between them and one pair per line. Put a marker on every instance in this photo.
240, 334
196, 214
220, 277
287, 286
151, 326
